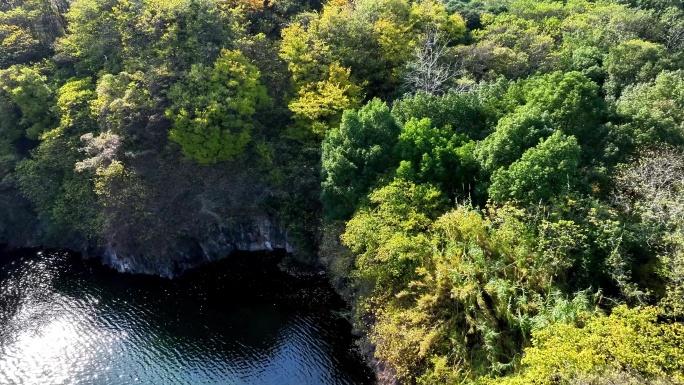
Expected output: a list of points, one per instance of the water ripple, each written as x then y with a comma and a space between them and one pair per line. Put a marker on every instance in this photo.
63, 321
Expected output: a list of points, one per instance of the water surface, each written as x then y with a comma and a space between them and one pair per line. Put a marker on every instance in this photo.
239, 321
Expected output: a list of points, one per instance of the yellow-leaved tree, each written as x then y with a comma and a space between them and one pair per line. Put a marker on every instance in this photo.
212, 108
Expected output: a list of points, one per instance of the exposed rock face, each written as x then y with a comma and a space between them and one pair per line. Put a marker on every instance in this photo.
259, 234
384, 374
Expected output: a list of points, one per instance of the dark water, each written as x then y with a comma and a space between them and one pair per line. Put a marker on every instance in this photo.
65, 321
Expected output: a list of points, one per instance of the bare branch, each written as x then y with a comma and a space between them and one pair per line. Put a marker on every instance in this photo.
429, 72
102, 150
674, 38
654, 186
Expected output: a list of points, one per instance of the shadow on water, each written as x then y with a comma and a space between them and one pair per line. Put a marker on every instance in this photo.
238, 321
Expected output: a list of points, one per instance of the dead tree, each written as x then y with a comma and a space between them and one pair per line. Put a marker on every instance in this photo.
429, 71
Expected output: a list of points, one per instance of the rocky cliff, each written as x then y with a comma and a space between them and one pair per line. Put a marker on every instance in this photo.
256, 234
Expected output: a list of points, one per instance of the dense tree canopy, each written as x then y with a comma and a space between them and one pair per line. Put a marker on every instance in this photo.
212, 109
542, 172
495, 185
355, 156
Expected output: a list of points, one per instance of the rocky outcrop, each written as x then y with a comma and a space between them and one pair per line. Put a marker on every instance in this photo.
384, 374
260, 234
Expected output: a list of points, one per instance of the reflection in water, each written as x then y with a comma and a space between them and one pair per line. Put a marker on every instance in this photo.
238, 322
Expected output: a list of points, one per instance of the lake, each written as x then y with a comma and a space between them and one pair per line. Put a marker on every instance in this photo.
242, 320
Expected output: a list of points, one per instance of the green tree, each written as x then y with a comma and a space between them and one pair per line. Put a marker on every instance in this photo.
542, 173
571, 101
462, 111
28, 29
124, 35
604, 25
654, 112
93, 41
389, 236
355, 155
514, 134
436, 155
124, 106
632, 62
566, 102
507, 45
179, 33
26, 89
212, 108
63, 198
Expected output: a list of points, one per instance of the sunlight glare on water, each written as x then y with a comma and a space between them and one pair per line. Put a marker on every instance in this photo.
63, 321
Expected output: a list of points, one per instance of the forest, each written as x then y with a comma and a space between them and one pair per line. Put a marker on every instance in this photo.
495, 186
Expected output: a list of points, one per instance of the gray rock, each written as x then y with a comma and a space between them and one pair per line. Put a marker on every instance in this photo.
260, 234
